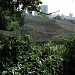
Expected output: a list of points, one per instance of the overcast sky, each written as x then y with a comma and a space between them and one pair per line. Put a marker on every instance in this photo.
65, 6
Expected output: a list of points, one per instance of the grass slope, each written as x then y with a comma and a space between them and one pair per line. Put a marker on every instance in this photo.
44, 29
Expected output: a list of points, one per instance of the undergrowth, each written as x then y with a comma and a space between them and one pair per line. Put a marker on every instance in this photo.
19, 56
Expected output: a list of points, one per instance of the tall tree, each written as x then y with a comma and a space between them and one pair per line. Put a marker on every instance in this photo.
14, 5
26, 4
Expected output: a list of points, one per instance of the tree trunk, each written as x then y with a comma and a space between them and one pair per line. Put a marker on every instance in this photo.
2, 22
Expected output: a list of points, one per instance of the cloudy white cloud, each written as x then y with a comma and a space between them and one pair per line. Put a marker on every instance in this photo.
65, 6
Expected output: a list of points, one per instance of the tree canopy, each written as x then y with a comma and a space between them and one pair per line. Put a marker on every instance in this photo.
11, 8
14, 4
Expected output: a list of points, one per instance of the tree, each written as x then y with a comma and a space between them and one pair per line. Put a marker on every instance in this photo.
14, 5
57, 17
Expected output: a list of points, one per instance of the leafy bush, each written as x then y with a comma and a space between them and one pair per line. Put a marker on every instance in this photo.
72, 21
9, 22
12, 23
58, 17
69, 60
51, 58
19, 56
9, 49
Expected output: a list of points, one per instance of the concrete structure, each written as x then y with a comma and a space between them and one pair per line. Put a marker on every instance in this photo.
73, 18
44, 8
70, 16
62, 16
34, 13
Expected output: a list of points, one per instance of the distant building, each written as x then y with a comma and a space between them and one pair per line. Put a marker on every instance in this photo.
51, 16
26, 12
67, 17
62, 16
44, 8
70, 16
34, 13
73, 18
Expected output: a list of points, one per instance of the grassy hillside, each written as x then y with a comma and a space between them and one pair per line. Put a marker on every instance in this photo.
44, 29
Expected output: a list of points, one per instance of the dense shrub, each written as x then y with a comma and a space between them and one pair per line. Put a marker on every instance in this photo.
19, 56
9, 21
72, 21
69, 60
12, 23
9, 49
58, 17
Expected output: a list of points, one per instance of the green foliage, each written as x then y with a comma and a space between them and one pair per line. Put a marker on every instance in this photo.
69, 60
14, 5
9, 49
72, 21
9, 22
12, 23
51, 57
19, 56
57, 17
12, 8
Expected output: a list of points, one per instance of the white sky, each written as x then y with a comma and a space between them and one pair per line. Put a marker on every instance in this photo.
65, 6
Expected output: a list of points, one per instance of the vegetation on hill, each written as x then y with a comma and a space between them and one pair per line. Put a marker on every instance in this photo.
58, 17
72, 21
44, 29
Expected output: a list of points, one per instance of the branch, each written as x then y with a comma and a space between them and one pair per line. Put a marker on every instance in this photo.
42, 13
